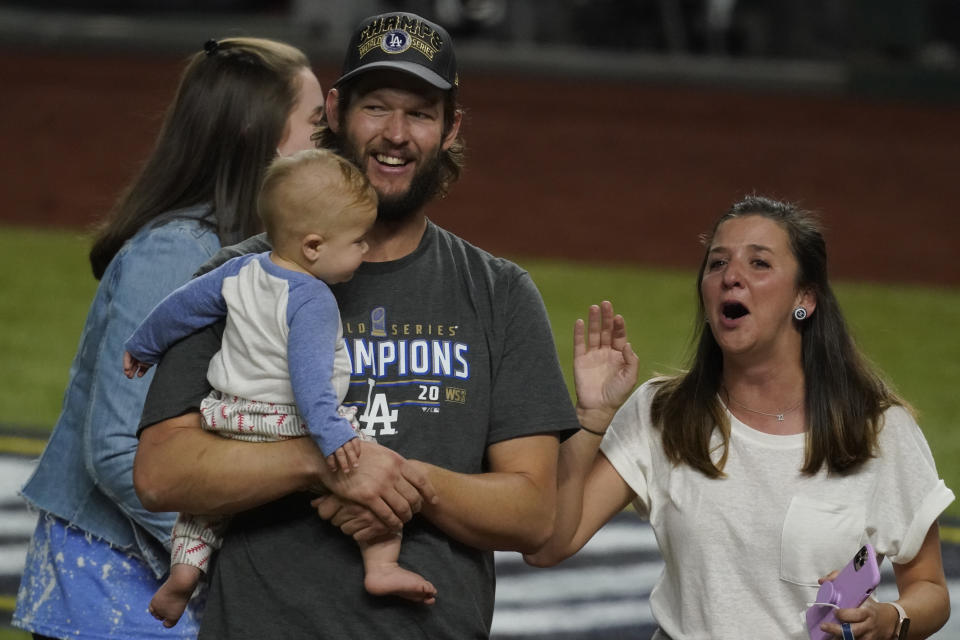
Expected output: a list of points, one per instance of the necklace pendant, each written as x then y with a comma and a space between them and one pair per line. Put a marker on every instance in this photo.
779, 417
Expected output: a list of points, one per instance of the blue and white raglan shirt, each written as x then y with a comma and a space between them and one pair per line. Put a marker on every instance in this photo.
283, 341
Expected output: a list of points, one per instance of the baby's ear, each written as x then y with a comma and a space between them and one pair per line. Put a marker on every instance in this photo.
311, 246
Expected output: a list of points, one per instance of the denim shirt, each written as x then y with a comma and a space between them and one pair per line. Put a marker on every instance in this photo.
85, 474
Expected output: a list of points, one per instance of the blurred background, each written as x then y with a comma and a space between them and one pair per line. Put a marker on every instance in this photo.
654, 113
603, 137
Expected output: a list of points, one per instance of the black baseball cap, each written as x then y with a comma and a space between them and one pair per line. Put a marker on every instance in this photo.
405, 42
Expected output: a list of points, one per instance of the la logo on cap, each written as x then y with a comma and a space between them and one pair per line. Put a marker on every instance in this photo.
405, 42
395, 41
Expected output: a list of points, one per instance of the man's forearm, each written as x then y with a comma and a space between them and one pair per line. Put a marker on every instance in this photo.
511, 508
181, 467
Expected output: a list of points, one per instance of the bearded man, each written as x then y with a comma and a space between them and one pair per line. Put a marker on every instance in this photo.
453, 371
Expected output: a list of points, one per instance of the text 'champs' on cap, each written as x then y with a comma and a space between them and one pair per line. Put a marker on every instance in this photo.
405, 42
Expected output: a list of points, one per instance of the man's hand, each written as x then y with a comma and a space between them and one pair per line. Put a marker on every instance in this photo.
352, 519
386, 483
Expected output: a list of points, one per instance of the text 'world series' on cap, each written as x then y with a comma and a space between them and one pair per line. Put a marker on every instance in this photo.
405, 42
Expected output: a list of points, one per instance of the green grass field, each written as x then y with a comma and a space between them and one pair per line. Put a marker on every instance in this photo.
13, 634
909, 332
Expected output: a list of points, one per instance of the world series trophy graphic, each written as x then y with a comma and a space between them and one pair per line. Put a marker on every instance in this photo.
378, 322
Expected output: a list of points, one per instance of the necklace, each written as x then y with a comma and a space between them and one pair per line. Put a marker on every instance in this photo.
778, 415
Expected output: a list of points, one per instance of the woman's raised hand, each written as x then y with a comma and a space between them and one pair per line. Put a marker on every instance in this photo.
604, 365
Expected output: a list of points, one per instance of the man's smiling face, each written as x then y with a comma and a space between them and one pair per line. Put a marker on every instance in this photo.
393, 129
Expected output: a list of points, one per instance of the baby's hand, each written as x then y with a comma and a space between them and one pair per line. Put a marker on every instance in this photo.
133, 367
346, 457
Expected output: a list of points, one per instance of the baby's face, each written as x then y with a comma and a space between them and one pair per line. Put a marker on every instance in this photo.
345, 245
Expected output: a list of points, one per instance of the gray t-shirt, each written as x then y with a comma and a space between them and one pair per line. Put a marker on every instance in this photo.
451, 352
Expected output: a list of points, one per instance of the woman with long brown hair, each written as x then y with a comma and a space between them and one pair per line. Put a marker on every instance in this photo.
97, 555
769, 463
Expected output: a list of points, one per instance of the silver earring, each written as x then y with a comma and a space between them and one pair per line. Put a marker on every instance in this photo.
799, 313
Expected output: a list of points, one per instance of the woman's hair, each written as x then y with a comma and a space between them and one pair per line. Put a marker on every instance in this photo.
312, 191
218, 135
845, 398
452, 159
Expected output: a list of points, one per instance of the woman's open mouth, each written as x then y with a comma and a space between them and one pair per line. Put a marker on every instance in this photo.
734, 310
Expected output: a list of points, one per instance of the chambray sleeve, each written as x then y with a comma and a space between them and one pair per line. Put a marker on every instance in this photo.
314, 322
192, 306
151, 267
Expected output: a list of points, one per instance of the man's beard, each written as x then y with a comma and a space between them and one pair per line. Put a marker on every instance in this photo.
400, 206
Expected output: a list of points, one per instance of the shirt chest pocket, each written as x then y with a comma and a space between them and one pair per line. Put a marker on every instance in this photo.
817, 538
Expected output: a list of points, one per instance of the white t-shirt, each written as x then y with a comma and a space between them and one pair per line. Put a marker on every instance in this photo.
743, 553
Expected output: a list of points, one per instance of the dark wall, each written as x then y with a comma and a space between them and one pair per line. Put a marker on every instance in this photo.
560, 168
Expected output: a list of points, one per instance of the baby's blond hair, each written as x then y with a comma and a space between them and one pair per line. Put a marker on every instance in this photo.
312, 191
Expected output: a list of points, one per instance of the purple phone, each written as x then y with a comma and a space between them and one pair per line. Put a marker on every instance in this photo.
848, 590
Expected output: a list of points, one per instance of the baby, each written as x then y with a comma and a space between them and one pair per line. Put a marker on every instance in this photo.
281, 371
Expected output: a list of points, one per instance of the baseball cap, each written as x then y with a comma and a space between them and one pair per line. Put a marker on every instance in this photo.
405, 42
